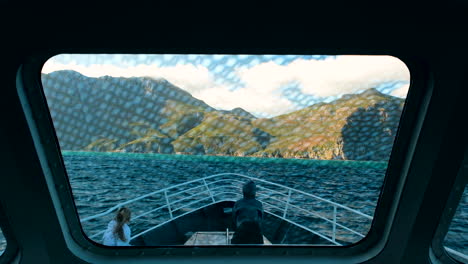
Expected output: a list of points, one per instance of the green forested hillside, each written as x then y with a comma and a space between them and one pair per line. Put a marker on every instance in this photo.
146, 115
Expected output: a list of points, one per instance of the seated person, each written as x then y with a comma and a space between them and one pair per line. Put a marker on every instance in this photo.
248, 215
118, 232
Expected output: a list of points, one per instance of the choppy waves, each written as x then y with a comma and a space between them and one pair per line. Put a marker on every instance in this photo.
101, 181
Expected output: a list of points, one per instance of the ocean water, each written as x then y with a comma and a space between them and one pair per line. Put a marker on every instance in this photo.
457, 235
102, 180
2, 242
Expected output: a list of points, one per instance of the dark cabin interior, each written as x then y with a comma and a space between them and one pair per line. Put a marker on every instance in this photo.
427, 172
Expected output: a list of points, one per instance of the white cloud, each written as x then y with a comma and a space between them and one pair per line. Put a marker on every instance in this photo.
402, 91
262, 83
252, 100
331, 77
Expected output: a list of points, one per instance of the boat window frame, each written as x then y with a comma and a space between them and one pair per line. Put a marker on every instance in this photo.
438, 252
31, 95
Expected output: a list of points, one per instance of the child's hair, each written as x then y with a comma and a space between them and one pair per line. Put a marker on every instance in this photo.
122, 217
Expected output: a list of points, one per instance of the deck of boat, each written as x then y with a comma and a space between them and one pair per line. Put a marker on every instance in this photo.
214, 238
217, 218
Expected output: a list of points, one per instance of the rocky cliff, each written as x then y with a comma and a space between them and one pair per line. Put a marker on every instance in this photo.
154, 116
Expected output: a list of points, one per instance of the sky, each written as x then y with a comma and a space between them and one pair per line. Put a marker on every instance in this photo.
264, 85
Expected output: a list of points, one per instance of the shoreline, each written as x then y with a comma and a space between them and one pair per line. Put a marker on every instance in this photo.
226, 158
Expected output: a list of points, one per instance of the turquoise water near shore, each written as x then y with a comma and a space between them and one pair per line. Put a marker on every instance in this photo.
216, 158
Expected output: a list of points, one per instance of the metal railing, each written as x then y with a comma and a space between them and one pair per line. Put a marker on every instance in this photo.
281, 202
457, 255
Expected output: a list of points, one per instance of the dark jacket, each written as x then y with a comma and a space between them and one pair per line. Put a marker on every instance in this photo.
248, 216
247, 210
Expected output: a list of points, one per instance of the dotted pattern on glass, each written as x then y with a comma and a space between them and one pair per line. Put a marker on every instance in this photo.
133, 124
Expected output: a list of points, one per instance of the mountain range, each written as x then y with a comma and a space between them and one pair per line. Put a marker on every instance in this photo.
146, 115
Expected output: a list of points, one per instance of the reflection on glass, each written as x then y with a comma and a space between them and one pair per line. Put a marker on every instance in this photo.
2, 242
179, 135
456, 240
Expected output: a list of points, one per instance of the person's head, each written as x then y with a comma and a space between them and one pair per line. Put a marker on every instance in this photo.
123, 215
249, 190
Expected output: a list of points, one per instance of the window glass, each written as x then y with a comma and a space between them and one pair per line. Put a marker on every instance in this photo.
456, 240
158, 148
2, 242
